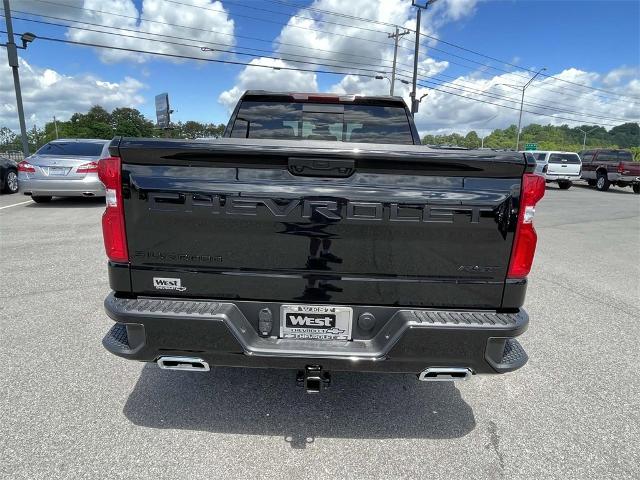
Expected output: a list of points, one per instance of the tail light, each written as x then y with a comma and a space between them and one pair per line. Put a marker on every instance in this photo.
115, 238
524, 243
91, 167
26, 167
620, 168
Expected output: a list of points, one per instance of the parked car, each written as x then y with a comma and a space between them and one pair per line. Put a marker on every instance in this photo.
8, 175
63, 168
319, 235
556, 166
602, 168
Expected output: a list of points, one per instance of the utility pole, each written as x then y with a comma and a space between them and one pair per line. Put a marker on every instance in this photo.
12, 54
420, 4
55, 124
524, 87
584, 139
396, 36
485, 123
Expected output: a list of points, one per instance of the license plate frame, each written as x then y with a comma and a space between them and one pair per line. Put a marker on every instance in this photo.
57, 171
316, 322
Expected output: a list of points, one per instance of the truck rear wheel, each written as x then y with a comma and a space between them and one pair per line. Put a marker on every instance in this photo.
603, 183
564, 185
636, 188
592, 183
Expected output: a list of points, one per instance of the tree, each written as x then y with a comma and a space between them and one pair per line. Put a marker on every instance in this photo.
7, 138
548, 137
471, 140
36, 137
129, 122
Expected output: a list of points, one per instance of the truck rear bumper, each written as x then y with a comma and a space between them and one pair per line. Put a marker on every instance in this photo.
226, 334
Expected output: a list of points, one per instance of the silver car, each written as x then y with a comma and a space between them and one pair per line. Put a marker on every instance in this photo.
63, 168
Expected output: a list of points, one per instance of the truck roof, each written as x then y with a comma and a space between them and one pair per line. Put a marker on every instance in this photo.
319, 97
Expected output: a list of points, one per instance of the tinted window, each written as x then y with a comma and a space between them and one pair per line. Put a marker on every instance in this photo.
586, 156
80, 149
308, 121
564, 158
625, 156
608, 156
540, 156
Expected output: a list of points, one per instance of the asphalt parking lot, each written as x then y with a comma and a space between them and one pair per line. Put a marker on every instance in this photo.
72, 410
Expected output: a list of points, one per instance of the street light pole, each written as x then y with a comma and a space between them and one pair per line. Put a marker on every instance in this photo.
396, 36
485, 136
584, 139
421, 4
12, 54
522, 104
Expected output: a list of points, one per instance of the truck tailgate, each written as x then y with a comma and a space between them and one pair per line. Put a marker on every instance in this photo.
316, 223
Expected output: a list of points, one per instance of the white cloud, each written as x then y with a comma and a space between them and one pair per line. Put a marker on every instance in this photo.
268, 79
366, 50
445, 113
616, 76
46, 93
206, 22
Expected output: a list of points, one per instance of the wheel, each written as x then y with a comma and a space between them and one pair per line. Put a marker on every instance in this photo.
41, 198
636, 188
564, 185
11, 182
603, 183
592, 183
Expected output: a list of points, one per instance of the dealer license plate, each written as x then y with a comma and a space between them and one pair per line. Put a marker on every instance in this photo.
315, 322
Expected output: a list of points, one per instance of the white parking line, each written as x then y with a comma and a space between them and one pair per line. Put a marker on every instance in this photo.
15, 204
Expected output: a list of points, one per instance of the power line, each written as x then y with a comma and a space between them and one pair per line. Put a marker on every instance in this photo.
451, 86
164, 35
368, 40
308, 62
529, 103
305, 47
188, 57
267, 10
337, 14
517, 109
94, 45
460, 47
262, 40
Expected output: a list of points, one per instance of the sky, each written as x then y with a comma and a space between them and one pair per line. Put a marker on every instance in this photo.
473, 61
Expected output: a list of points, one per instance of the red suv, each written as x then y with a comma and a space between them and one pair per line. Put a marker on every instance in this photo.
602, 168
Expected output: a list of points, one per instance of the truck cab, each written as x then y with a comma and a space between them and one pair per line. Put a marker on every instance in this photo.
557, 166
604, 167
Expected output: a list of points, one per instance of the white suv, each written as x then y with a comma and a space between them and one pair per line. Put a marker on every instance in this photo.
561, 167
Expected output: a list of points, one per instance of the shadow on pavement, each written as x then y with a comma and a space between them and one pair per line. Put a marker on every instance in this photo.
267, 402
69, 202
612, 189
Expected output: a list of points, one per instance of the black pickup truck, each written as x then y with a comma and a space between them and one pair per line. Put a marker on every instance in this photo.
318, 235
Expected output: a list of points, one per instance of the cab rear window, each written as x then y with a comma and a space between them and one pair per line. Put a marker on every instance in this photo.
625, 156
564, 158
328, 122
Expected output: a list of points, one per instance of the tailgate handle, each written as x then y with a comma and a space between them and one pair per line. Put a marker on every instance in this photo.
321, 167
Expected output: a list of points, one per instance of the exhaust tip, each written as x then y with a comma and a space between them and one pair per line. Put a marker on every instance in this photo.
88, 194
444, 374
189, 364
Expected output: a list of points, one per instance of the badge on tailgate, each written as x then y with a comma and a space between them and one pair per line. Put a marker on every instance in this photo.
315, 322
